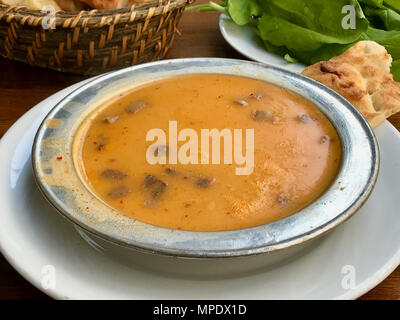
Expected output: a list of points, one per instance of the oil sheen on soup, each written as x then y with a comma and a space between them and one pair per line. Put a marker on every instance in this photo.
296, 152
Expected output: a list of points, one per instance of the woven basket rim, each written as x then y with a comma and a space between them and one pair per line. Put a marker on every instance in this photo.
91, 18
90, 42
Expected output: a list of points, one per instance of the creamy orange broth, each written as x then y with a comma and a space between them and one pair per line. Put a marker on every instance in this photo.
296, 153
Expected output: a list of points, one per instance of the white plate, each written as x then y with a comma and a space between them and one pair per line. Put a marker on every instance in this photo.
246, 41
37, 241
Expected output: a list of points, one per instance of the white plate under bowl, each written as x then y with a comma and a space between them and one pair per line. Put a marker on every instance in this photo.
245, 40
40, 244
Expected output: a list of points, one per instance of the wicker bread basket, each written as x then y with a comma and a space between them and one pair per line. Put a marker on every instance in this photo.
90, 42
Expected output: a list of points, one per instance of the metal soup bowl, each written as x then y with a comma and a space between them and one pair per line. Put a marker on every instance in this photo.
57, 175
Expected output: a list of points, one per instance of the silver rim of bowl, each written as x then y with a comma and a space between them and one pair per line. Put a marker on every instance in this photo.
348, 192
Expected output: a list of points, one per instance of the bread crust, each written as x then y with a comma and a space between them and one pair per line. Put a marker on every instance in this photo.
33, 4
362, 75
102, 4
71, 5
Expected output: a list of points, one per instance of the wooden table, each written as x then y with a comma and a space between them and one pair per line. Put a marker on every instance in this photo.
22, 86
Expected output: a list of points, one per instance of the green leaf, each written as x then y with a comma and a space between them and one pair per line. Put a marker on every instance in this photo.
274, 49
290, 59
372, 3
321, 16
306, 25
242, 11
394, 4
383, 18
396, 70
324, 53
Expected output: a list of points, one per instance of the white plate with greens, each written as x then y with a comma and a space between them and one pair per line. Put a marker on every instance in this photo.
308, 30
245, 40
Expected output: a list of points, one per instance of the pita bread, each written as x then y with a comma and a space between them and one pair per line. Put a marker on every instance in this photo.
362, 75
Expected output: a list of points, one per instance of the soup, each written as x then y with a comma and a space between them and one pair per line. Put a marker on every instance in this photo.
146, 152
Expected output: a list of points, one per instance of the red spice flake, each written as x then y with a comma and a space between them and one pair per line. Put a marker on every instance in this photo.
59, 158
228, 213
187, 205
94, 142
342, 188
87, 208
122, 201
